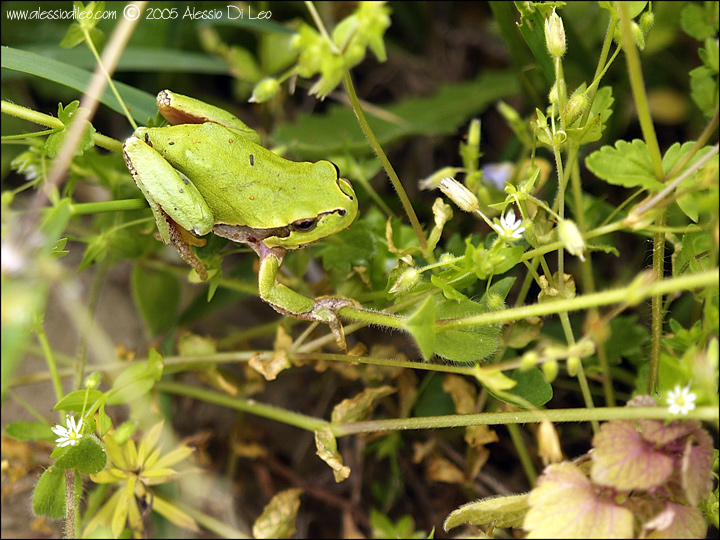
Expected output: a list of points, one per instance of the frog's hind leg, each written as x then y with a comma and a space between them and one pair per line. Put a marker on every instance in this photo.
181, 240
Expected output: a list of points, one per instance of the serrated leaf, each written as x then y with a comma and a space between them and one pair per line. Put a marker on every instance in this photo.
625, 164
278, 517
359, 407
55, 142
356, 246
55, 221
498, 511
697, 22
677, 521
625, 460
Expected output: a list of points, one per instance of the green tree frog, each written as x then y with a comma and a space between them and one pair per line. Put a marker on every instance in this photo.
209, 173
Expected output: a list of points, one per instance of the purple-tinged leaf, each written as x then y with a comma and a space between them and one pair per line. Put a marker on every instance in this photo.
565, 505
624, 460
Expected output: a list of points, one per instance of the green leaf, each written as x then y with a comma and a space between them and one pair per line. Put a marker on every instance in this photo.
626, 164
500, 511
49, 494
449, 292
695, 253
79, 399
315, 136
470, 344
421, 326
531, 391
354, 247
141, 104
157, 297
136, 380
697, 21
55, 221
88, 456
67, 115
704, 90
29, 431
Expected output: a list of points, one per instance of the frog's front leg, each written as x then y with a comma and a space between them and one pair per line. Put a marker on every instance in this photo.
286, 301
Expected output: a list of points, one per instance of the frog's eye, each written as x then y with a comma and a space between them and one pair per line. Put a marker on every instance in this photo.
303, 225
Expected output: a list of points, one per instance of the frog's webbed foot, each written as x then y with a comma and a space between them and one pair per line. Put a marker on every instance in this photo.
325, 311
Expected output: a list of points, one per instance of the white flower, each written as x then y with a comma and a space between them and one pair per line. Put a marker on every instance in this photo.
681, 400
70, 434
509, 228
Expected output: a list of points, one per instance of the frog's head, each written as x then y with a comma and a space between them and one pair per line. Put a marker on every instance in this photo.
331, 211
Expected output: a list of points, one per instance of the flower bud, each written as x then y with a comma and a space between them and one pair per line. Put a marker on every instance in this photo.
576, 106
548, 443
93, 380
529, 360
572, 239
550, 370
638, 36
495, 302
433, 181
647, 19
473, 138
459, 194
553, 96
555, 35
407, 280
542, 122
509, 113
265, 90
573, 365
446, 259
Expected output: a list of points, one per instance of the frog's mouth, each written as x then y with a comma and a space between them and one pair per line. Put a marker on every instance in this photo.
249, 235
255, 238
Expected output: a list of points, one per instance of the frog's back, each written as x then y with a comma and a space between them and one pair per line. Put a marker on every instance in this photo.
244, 183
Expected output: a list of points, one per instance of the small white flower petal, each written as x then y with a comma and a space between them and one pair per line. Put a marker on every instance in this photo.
680, 400
68, 435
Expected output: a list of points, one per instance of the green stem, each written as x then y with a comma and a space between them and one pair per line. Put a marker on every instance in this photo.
308, 423
634, 293
708, 413
637, 85
46, 120
251, 406
52, 367
522, 452
407, 205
